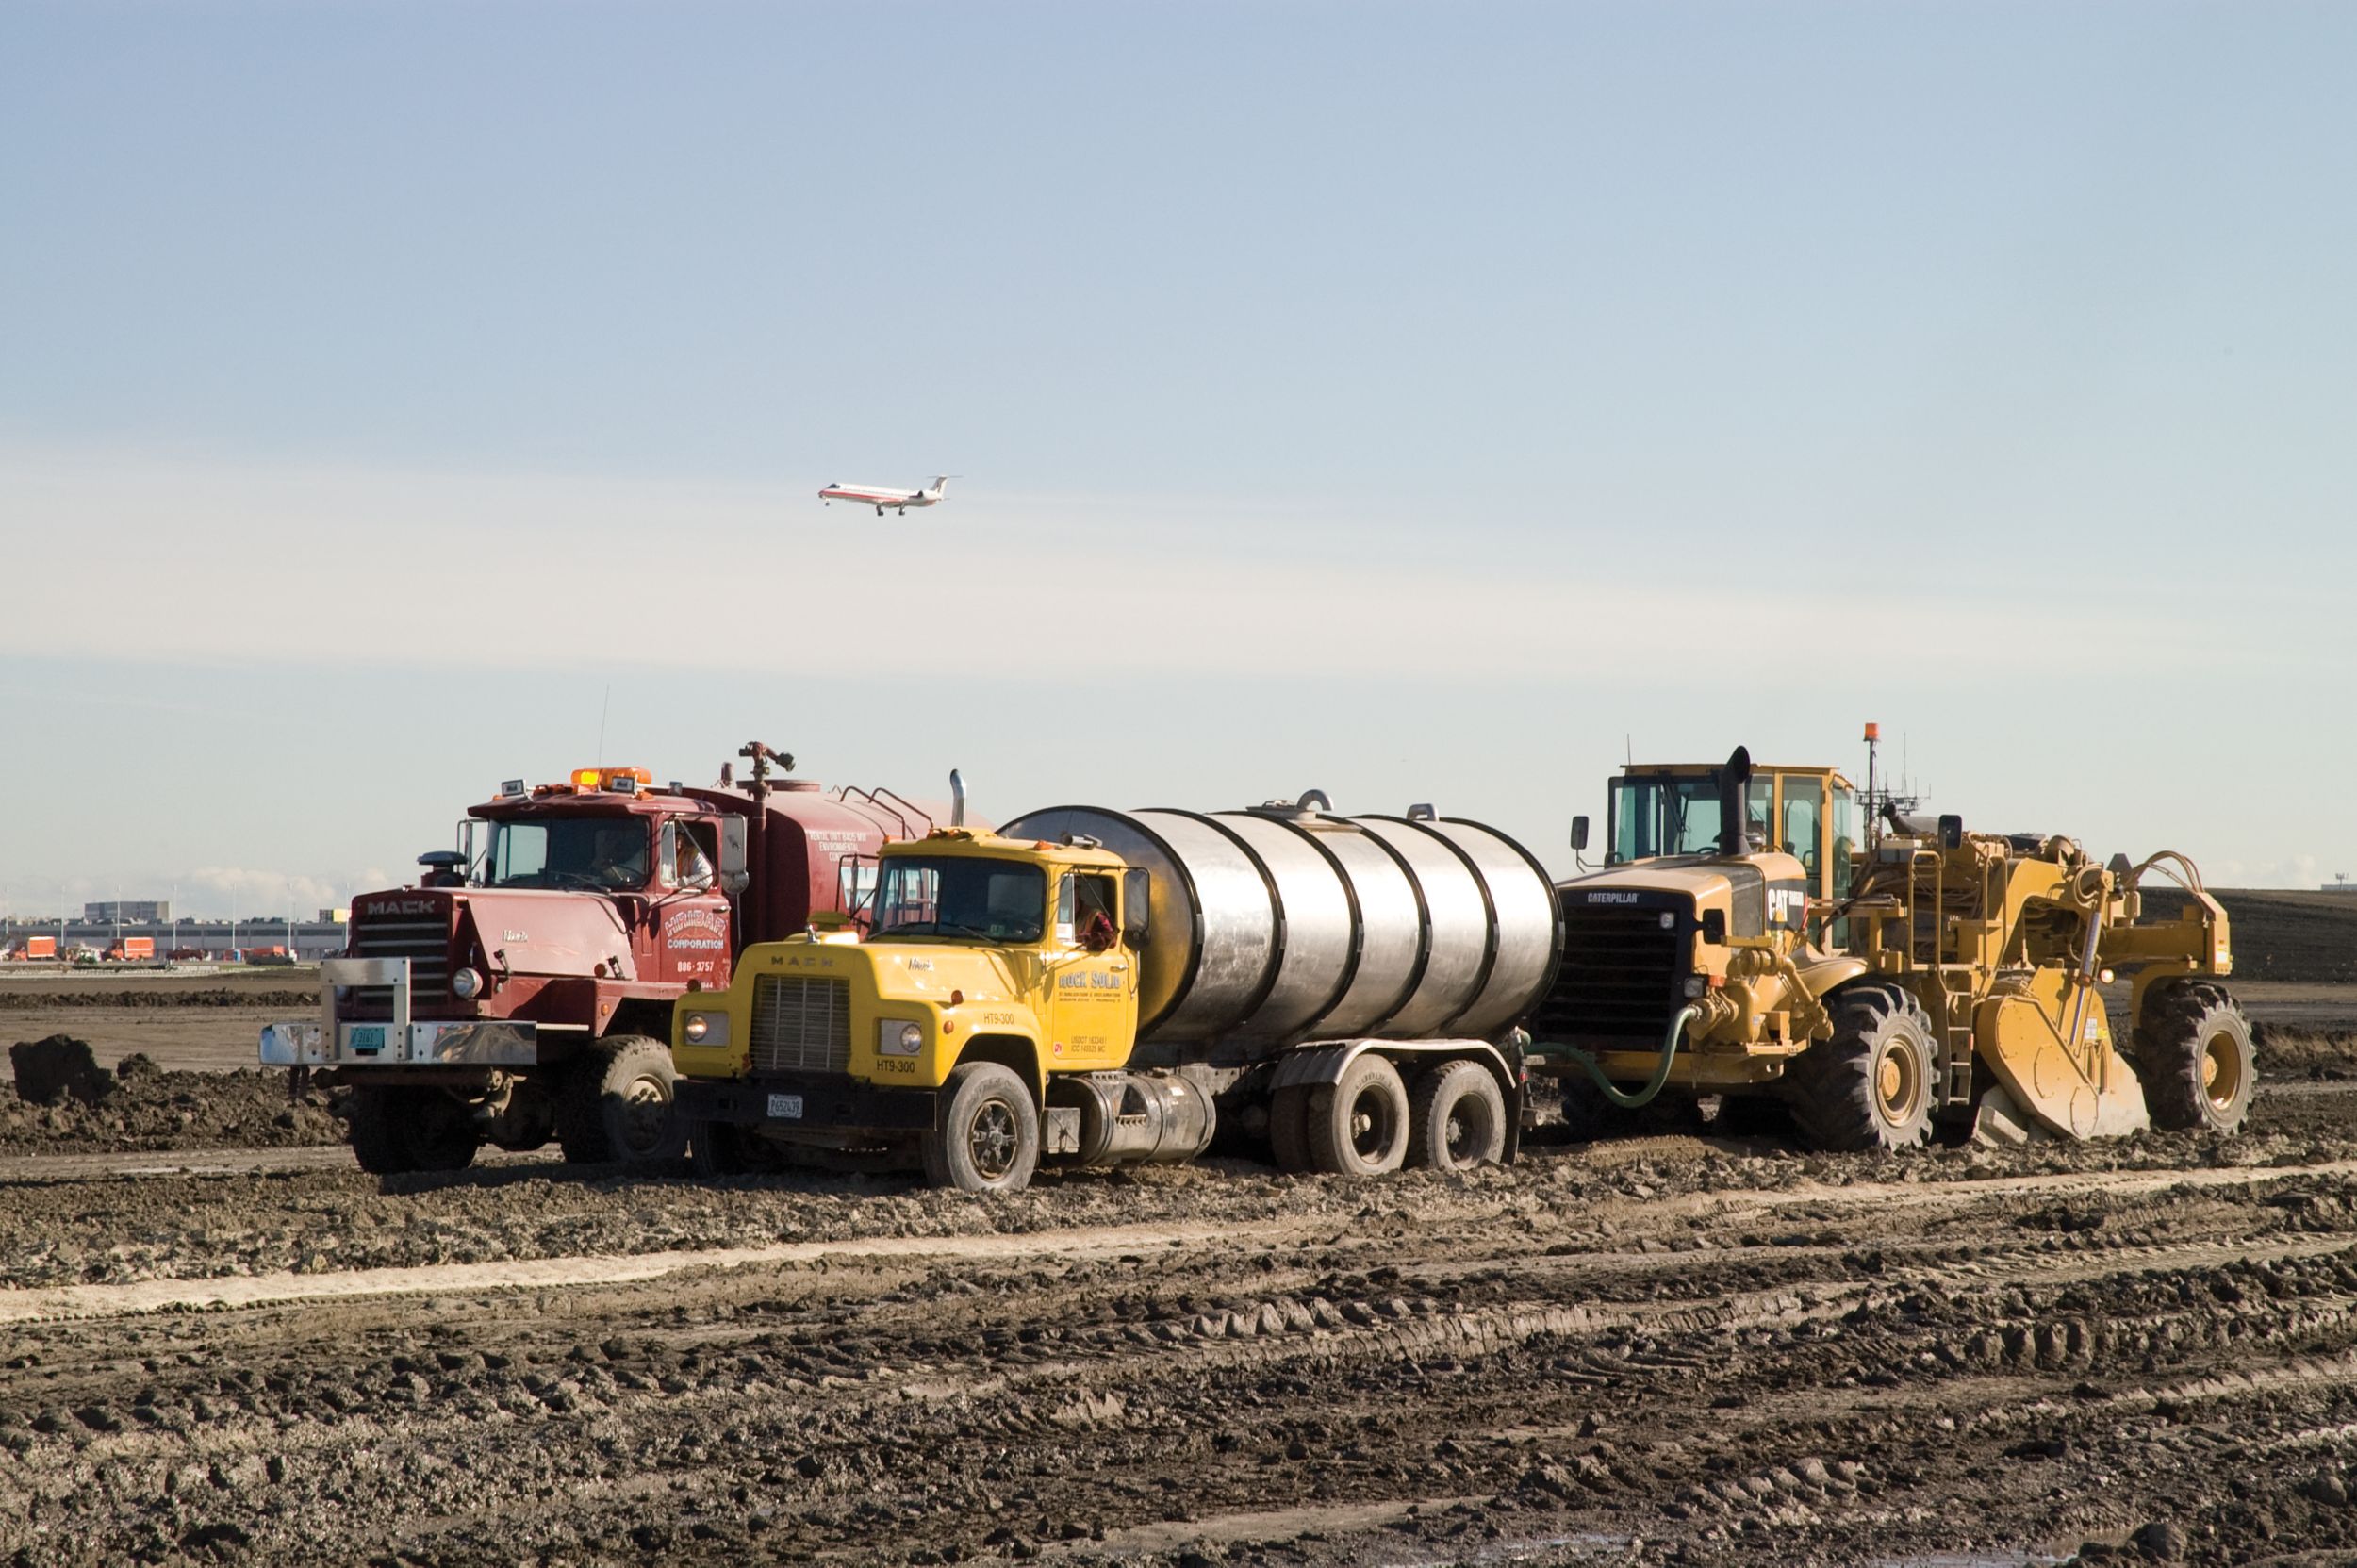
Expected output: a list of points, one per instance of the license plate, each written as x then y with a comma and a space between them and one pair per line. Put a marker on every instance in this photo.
785, 1108
367, 1037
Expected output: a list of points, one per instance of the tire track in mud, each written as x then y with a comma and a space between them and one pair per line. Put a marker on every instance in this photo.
966, 1363
284, 1287
60, 1302
1761, 1365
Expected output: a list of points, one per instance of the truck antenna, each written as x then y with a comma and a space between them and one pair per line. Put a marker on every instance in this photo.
602, 706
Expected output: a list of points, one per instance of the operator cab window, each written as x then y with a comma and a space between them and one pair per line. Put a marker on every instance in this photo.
1084, 911
689, 850
1844, 839
1804, 821
1660, 814
960, 895
600, 853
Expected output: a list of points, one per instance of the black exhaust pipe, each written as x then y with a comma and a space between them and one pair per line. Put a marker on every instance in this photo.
1735, 783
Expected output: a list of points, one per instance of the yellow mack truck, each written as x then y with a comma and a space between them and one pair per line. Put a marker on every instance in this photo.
1096, 988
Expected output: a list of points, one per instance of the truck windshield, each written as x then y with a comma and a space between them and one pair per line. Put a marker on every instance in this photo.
991, 901
1658, 815
606, 853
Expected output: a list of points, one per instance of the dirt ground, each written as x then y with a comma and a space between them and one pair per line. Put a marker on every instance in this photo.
1671, 1348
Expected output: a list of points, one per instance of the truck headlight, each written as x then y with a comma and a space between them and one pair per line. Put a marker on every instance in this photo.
898, 1037
706, 1029
1695, 986
465, 985
1668, 921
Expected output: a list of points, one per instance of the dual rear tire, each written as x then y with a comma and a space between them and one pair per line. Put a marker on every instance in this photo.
1368, 1122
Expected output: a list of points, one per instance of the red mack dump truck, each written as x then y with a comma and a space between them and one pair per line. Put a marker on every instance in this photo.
523, 989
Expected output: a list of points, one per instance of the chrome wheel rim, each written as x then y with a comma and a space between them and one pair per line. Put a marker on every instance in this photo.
990, 1140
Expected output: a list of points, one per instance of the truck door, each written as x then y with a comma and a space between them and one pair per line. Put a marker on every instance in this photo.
691, 913
1093, 995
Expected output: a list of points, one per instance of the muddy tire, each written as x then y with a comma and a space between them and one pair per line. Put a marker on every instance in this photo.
1289, 1131
988, 1140
615, 1104
1456, 1119
1868, 1087
724, 1148
2195, 1054
1359, 1126
396, 1129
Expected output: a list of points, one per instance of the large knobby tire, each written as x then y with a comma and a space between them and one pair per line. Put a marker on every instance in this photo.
1289, 1130
2194, 1052
396, 1127
1868, 1087
988, 1136
1359, 1123
1456, 1119
615, 1104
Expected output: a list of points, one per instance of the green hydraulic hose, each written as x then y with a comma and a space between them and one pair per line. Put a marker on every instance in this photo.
1661, 1068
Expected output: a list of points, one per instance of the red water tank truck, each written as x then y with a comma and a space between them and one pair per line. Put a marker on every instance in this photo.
522, 990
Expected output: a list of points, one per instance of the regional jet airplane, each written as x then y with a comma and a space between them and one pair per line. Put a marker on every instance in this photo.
900, 501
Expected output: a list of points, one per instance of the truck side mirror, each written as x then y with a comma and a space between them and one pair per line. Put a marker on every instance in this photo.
1136, 921
1952, 831
1715, 926
1579, 834
732, 874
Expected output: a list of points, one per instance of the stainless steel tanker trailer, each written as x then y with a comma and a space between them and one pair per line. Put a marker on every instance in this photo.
1093, 986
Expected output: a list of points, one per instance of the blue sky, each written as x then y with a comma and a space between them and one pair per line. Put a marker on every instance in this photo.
1417, 402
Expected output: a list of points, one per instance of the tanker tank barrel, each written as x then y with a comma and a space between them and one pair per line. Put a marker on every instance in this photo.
1285, 922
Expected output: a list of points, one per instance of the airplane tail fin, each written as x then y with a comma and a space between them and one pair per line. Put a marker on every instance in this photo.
941, 483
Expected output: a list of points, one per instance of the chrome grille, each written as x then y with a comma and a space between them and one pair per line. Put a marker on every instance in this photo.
801, 1026
424, 943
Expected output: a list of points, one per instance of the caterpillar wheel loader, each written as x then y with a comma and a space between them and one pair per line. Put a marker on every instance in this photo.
1744, 941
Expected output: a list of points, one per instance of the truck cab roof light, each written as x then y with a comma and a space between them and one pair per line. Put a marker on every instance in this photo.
619, 780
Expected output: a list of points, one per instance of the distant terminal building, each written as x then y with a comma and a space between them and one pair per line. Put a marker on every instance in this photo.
2340, 883
131, 910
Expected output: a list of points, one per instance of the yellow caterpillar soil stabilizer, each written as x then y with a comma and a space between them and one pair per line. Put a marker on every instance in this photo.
1742, 942
2008, 941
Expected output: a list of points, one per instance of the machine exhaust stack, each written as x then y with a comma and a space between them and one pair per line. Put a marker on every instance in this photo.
1734, 782
957, 799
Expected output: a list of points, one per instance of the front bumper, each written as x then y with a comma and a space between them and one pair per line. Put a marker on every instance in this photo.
328, 1041
799, 1104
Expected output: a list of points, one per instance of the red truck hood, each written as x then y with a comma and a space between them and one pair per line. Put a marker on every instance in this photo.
532, 933
520, 931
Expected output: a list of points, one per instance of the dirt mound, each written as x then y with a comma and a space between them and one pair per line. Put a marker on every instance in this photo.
51, 1071
147, 996
143, 1107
